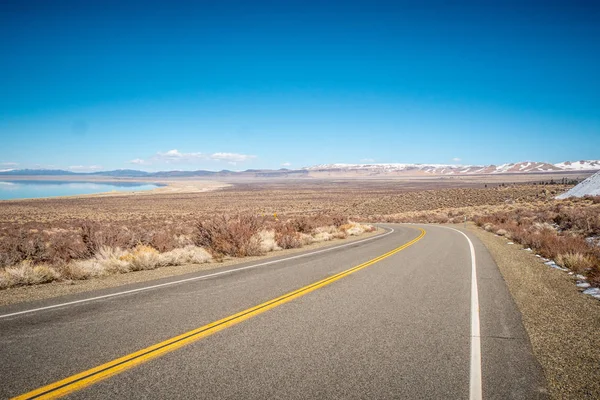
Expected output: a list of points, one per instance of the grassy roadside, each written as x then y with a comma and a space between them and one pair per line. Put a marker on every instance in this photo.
23, 294
563, 324
80, 250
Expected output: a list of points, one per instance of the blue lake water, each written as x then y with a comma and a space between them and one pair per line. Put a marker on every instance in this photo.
10, 190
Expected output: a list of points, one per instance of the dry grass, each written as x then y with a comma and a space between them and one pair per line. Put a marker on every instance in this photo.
90, 249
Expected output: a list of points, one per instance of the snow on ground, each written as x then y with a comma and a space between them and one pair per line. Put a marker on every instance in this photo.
589, 187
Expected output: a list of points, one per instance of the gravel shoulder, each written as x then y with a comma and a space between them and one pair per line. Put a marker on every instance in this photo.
563, 324
55, 289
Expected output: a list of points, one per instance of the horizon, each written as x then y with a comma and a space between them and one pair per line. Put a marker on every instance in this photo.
328, 165
101, 86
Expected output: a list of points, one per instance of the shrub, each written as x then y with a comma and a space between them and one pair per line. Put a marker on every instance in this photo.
188, 255
79, 270
236, 237
142, 258
322, 236
575, 261
268, 241
80, 249
27, 274
287, 238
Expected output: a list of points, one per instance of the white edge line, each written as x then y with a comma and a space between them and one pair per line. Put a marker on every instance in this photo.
196, 278
475, 386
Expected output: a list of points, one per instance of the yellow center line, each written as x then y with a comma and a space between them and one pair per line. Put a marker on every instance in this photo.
96, 374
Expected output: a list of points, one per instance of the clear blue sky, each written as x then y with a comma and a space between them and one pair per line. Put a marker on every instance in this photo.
248, 84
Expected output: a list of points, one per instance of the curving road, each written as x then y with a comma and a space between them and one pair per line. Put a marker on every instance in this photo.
398, 326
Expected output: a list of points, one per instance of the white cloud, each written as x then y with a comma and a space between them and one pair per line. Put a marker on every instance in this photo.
84, 168
231, 157
367, 160
175, 156
286, 164
456, 159
9, 164
138, 161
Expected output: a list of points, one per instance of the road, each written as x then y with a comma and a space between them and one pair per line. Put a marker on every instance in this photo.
399, 326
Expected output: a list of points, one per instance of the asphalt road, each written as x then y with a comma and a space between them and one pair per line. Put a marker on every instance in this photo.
399, 328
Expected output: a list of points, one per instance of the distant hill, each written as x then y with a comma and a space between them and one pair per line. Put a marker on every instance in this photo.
323, 170
37, 172
122, 173
130, 173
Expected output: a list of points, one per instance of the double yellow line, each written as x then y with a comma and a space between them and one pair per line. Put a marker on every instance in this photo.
91, 376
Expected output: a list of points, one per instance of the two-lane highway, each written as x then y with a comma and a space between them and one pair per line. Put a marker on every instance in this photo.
390, 317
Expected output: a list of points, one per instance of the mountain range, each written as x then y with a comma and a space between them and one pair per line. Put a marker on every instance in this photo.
526, 167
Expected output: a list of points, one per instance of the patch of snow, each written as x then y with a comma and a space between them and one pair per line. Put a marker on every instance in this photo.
579, 276
510, 243
595, 292
554, 265
582, 284
593, 240
590, 186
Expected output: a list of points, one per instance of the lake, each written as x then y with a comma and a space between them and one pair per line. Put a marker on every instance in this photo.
31, 189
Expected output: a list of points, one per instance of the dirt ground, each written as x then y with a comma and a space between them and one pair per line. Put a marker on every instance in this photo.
356, 199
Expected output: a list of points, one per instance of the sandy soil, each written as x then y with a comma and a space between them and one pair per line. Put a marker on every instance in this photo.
563, 324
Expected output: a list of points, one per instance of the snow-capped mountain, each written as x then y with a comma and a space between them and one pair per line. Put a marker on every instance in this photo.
579, 165
453, 169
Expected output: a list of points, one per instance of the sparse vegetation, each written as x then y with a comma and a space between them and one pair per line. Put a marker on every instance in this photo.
75, 237
34, 253
566, 231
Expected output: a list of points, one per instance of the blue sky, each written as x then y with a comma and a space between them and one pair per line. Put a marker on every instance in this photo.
235, 84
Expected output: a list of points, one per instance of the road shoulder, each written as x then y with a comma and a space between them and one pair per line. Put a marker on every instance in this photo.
563, 325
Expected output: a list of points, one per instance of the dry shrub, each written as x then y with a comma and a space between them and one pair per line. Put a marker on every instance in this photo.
79, 270
575, 261
308, 224
556, 230
340, 235
352, 229
287, 238
164, 240
502, 232
64, 248
236, 237
267, 241
95, 236
142, 258
75, 249
111, 260
27, 274
188, 255
322, 237
306, 239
